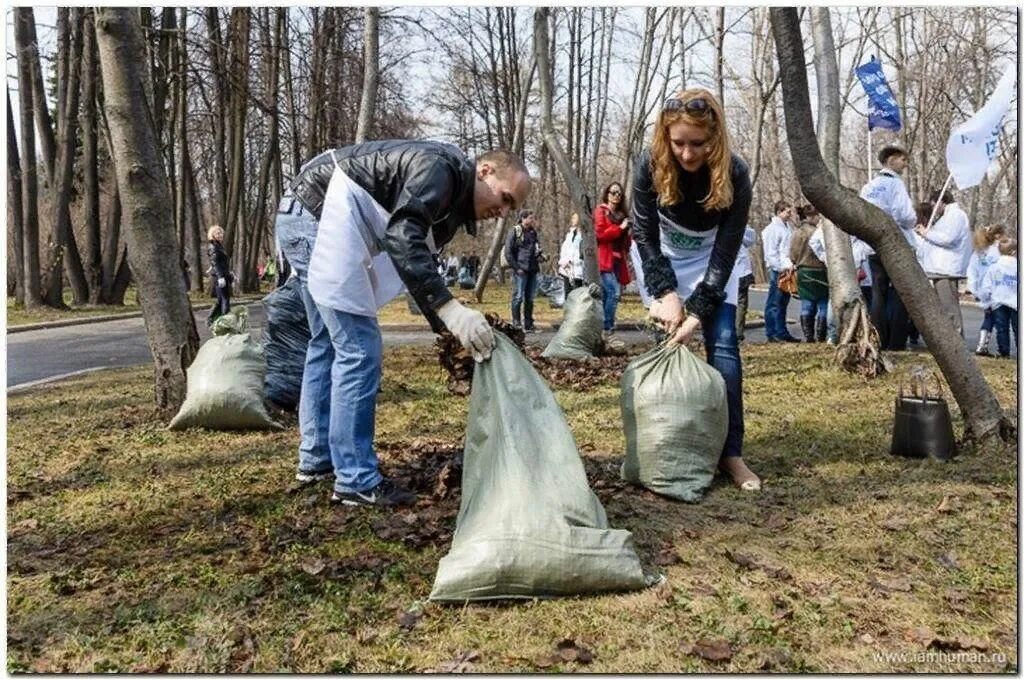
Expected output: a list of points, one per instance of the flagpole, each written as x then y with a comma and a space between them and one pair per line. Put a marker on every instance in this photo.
936, 206
869, 150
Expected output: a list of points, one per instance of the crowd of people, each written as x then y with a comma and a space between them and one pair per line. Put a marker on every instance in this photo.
940, 234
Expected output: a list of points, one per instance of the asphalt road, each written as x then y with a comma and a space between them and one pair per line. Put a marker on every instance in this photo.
43, 355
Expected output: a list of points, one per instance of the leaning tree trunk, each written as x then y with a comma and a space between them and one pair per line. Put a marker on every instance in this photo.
145, 198
90, 163
371, 72
858, 347
578, 193
983, 417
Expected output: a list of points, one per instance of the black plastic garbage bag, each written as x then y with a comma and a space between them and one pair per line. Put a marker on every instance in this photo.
285, 337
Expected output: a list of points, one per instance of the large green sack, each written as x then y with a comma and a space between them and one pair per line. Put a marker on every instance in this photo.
529, 525
225, 381
579, 336
676, 417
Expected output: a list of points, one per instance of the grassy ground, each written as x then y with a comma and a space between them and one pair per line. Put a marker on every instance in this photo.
18, 315
131, 548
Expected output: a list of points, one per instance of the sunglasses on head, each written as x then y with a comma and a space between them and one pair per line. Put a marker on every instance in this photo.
696, 107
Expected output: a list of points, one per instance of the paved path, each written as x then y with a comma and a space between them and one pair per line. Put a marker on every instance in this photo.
47, 354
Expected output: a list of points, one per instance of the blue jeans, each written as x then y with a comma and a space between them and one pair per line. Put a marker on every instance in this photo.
987, 323
775, 308
723, 352
610, 301
337, 405
522, 297
817, 308
1004, 318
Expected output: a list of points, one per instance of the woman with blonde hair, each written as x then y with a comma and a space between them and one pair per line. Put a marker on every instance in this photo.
986, 252
691, 199
220, 270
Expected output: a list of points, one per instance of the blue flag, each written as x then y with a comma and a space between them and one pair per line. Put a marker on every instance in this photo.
883, 111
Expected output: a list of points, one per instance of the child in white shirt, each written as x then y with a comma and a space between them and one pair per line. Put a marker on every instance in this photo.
998, 290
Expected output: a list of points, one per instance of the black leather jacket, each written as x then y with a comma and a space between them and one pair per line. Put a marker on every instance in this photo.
731, 223
426, 186
220, 268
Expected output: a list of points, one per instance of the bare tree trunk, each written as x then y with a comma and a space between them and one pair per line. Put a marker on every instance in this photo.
720, 53
66, 258
195, 222
90, 163
17, 224
149, 232
858, 346
181, 120
24, 37
238, 79
581, 200
371, 72
34, 81
293, 119
982, 414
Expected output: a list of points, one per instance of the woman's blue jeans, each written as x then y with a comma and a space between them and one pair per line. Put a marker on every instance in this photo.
723, 352
817, 308
610, 285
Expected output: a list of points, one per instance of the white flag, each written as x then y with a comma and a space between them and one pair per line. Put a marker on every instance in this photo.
972, 145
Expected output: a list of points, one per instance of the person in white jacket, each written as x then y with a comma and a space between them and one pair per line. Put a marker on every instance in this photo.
887, 191
998, 289
570, 256
986, 252
942, 253
861, 250
776, 238
745, 274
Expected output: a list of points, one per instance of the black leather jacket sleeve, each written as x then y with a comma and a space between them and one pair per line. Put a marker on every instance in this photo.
710, 292
425, 197
220, 268
658, 275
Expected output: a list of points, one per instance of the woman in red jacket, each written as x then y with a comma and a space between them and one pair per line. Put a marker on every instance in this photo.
612, 231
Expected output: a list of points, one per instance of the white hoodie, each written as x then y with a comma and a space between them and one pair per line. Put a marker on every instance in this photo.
979, 264
999, 284
943, 246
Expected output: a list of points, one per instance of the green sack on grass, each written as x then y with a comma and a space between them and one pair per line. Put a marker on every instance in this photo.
579, 336
529, 525
225, 381
676, 417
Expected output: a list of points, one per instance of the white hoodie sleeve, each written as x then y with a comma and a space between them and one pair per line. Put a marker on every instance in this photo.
902, 208
771, 247
945, 233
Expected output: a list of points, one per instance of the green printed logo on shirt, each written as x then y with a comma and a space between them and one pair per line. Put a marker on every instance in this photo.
681, 241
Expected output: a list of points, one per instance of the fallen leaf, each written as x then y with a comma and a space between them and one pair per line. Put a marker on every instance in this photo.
776, 659
945, 505
313, 566
958, 644
901, 584
666, 557
894, 524
463, 663
365, 637
408, 620
716, 649
948, 560
568, 650
776, 523
23, 527
867, 639
922, 635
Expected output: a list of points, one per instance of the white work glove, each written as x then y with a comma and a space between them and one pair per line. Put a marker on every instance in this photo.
470, 327
221, 282
668, 311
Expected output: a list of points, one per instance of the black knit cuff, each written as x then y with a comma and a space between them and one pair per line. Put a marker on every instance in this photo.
659, 277
704, 301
